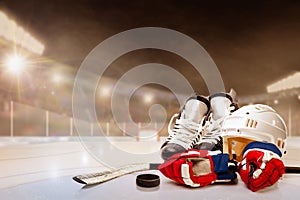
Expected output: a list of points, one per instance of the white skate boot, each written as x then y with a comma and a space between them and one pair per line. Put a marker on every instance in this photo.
188, 126
222, 104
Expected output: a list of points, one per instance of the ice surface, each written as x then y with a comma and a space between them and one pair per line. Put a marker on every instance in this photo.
41, 168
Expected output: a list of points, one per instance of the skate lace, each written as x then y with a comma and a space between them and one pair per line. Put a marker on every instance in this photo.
184, 130
214, 126
212, 129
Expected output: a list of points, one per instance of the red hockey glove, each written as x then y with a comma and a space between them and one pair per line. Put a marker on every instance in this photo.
197, 168
261, 165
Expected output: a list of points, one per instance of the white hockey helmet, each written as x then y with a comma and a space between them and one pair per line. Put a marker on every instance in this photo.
254, 123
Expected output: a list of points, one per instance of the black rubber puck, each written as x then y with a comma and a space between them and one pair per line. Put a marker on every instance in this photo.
148, 180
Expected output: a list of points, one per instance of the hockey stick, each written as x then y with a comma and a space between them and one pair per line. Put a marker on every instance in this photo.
292, 170
97, 178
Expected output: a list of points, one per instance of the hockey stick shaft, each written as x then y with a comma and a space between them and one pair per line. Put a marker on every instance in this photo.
97, 178
292, 170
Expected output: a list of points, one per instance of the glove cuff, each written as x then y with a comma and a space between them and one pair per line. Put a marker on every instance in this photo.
264, 146
224, 169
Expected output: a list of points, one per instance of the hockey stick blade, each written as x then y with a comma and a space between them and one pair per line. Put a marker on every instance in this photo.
97, 178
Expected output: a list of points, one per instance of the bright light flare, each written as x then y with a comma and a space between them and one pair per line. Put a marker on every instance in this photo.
105, 91
12, 32
15, 64
148, 98
57, 78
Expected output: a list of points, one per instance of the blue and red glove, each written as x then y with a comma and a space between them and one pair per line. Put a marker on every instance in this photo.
197, 168
261, 165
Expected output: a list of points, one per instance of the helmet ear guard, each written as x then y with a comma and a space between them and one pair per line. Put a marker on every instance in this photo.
234, 146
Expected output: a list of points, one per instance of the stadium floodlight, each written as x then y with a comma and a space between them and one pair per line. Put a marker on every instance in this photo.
57, 78
289, 82
148, 98
11, 31
105, 91
15, 64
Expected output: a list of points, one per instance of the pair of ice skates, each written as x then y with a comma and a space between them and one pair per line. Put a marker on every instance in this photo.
198, 125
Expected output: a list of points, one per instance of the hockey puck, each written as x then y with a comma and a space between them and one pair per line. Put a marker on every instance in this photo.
148, 180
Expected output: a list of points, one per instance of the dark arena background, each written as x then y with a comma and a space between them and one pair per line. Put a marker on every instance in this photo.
45, 45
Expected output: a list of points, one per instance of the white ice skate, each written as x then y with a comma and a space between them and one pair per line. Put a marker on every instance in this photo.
222, 104
188, 126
